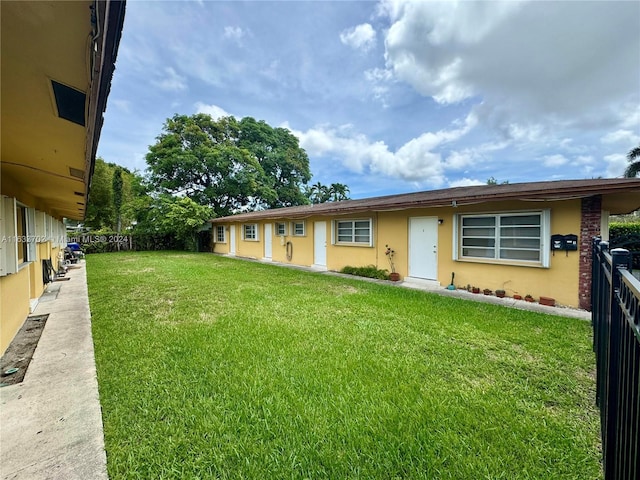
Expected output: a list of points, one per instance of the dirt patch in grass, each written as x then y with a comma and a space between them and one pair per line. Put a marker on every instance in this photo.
16, 360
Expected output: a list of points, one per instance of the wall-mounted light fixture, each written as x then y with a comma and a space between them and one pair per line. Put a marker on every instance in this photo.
440, 221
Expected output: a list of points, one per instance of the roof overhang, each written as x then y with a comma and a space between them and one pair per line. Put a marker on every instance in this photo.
57, 62
618, 196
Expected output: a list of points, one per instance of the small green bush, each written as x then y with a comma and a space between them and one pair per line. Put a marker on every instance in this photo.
370, 271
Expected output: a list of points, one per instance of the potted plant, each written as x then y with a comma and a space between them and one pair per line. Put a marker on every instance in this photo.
517, 296
393, 276
487, 291
550, 302
500, 293
475, 289
528, 298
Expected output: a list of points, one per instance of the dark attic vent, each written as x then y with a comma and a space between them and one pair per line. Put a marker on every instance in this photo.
70, 102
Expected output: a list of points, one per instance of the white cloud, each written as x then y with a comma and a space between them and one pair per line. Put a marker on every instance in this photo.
362, 37
466, 182
417, 160
532, 63
234, 33
621, 136
170, 80
616, 164
215, 111
556, 160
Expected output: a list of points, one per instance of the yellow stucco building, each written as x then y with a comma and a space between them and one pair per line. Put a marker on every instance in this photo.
57, 64
528, 238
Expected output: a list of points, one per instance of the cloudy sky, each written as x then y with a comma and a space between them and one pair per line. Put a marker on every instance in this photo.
392, 96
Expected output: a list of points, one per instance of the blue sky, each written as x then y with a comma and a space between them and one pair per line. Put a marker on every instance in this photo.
392, 96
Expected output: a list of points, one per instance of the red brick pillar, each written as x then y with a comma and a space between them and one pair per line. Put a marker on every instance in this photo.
589, 228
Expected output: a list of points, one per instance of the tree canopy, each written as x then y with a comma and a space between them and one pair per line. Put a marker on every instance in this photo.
200, 168
228, 164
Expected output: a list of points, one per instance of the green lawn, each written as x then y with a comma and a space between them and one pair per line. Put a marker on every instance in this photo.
211, 367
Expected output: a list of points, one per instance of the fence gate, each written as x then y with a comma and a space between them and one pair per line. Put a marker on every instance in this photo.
615, 307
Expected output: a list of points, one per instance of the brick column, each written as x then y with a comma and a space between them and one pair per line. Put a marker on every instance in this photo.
589, 228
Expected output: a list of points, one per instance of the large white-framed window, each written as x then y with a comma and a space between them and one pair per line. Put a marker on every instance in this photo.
250, 232
357, 231
298, 228
519, 238
280, 228
221, 234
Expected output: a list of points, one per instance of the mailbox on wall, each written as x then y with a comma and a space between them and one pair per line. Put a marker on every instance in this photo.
568, 243
571, 242
557, 242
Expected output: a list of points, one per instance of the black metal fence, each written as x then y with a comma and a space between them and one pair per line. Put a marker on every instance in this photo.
615, 307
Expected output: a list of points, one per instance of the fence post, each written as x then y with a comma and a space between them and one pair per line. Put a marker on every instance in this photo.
620, 259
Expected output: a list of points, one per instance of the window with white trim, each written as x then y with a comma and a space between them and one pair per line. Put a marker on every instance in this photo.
298, 229
353, 231
281, 229
250, 231
220, 234
515, 237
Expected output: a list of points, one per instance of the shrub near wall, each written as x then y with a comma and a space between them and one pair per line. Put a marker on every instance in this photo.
626, 235
102, 242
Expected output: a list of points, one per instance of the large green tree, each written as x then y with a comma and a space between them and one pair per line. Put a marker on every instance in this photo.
634, 163
100, 208
227, 164
180, 217
112, 197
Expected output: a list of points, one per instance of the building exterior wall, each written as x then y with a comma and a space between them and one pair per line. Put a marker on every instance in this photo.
14, 305
559, 281
24, 282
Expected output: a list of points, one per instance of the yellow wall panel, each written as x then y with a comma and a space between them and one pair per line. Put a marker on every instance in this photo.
14, 305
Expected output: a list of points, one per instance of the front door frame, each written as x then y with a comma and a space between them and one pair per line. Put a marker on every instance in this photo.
423, 258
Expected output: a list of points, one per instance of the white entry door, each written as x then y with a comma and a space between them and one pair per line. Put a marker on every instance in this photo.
320, 244
268, 250
232, 239
423, 247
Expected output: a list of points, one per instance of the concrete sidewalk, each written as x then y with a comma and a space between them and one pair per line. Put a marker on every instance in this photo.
435, 287
51, 423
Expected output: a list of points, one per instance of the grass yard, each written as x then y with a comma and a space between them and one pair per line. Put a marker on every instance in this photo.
211, 367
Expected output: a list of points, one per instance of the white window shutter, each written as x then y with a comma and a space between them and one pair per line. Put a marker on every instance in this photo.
8, 233
31, 232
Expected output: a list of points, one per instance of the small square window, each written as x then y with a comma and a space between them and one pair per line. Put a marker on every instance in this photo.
220, 234
298, 229
281, 229
250, 231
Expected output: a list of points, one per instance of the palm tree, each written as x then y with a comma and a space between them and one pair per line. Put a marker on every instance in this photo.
318, 193
634, 168
338, 192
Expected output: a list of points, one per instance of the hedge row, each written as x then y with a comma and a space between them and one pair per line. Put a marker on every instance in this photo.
626, 235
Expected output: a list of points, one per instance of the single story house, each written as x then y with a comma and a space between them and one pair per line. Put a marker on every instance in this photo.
524, 238
57, 64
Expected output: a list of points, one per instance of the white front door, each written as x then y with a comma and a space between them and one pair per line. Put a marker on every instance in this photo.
423, 247
232, 239
320, 244
268, 250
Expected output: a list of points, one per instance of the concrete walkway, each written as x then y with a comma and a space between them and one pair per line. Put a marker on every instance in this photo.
435, 287
51, 423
